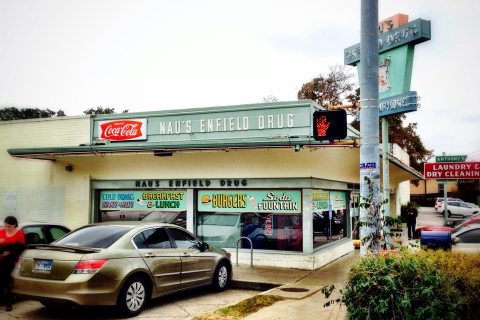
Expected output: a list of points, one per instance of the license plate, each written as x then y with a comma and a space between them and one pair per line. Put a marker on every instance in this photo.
43, 265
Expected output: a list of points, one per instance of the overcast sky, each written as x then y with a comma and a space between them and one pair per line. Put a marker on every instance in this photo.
157, 55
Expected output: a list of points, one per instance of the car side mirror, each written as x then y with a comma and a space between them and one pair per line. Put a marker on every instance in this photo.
203, 246
455, 240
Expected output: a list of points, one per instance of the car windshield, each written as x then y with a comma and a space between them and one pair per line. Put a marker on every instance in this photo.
97, 236
220, 220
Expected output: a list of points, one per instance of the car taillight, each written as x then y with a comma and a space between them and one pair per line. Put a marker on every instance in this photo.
229, 254
89, 266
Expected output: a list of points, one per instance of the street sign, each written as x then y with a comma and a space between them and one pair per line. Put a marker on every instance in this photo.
402, 103
458, 158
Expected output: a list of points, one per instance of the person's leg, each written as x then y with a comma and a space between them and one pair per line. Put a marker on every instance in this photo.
7, 282
3, 282
409, 230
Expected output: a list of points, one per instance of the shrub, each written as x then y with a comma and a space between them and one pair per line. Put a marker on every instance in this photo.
405, 285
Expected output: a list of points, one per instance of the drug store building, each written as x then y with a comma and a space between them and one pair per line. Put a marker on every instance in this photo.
248, 172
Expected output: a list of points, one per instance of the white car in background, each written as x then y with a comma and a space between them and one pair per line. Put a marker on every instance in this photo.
439, 202
458, 208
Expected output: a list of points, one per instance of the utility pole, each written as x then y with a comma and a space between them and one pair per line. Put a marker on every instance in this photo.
369, 122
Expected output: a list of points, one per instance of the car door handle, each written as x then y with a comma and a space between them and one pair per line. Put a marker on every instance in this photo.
149, 255
185, 255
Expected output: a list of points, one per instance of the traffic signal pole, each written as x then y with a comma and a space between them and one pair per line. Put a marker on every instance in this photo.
369, 122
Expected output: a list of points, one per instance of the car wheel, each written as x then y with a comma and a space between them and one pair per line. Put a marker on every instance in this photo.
133, 296
221, 277
449, 213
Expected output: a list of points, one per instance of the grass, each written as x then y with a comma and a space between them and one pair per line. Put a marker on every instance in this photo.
241, 309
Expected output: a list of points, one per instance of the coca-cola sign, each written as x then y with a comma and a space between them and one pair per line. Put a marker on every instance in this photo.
121, 130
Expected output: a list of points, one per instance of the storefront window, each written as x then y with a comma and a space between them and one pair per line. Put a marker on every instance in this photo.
271, 219
165, 206
329, 216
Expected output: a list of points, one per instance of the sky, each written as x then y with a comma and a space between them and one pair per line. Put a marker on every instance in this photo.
154, 55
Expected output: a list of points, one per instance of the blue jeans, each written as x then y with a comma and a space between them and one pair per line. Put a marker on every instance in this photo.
411, 229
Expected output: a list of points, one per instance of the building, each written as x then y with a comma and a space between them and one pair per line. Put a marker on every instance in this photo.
247, 175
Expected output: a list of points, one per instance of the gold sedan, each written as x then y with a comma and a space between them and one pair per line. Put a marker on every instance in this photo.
119, 264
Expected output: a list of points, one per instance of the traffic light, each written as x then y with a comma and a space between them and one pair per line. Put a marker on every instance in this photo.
330, 124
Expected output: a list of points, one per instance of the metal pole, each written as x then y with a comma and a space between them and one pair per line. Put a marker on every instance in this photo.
386, 177
445, 202
369, 122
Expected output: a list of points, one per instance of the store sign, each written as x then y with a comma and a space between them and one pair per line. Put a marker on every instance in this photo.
168, 200
123, 130
272, 123
414, 32
191, 183
273, 201
452, 170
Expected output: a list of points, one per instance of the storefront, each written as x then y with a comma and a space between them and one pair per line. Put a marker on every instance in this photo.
246, 175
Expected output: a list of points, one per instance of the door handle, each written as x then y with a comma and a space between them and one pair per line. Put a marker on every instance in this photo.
185, 255
149, 255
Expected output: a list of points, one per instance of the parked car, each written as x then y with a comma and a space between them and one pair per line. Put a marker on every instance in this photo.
473, 205
439, 201
119, 263
475, 219
458, 208
39, 232
467, 239
436, 239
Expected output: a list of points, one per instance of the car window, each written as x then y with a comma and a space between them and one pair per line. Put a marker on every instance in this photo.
34, 235
57, 232
153, 239
470, 236
96, 236
455, 204
182, 239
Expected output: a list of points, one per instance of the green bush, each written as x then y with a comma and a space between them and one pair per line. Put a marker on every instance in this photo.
405, 285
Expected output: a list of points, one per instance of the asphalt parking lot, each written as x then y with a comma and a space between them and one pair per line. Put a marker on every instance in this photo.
182, 306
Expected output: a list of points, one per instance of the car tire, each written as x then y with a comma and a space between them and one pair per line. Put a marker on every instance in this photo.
133, 296
221, 277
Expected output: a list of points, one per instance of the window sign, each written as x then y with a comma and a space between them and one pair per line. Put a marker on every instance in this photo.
171, 200
338, 200
329, 213
272, 201
321, 200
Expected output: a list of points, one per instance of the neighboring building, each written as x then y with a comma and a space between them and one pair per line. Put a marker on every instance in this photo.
250, 171
402, 191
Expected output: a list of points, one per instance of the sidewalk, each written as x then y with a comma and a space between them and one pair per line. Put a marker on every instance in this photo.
300, 287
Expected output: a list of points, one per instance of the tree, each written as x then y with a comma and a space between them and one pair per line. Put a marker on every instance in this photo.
269, 98
13, 113
337, 88
101, 110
